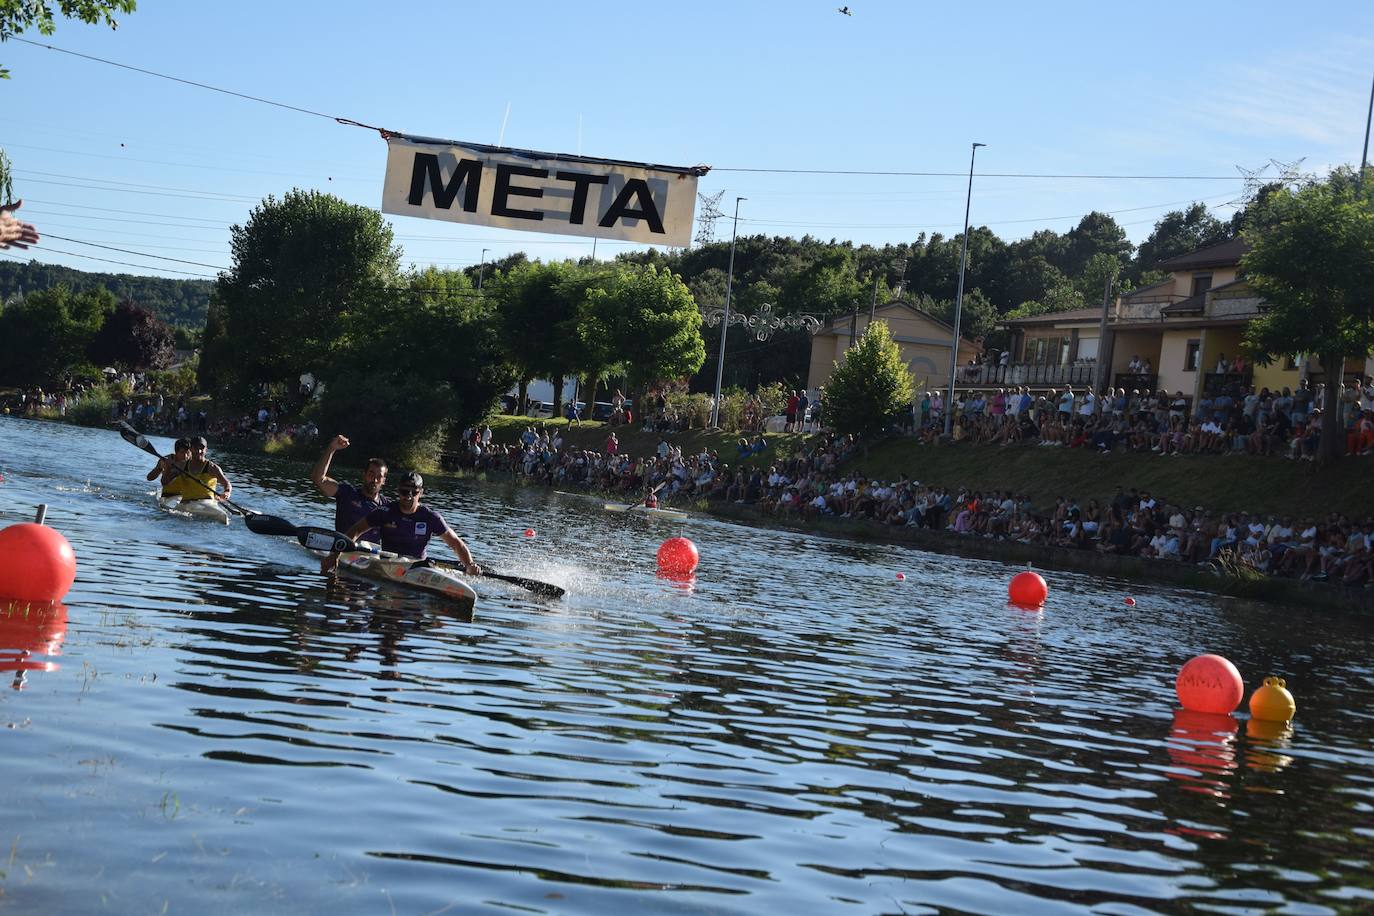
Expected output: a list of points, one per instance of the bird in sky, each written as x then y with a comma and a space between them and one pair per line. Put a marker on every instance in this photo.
845, 10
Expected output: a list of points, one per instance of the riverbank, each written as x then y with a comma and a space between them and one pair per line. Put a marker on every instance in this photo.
1221, 483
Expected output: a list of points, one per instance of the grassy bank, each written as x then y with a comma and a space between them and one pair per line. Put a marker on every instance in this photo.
1220, 482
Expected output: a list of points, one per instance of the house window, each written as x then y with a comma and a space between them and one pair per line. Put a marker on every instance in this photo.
1201, 283
1194, 355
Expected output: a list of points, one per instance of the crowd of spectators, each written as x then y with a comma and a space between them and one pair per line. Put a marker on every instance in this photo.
1285, 422
811, 484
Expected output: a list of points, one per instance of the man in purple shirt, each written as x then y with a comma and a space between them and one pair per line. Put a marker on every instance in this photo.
406, 527
350, 503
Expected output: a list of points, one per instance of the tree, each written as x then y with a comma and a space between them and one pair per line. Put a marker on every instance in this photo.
1179, 232
645, 323
18, 15
871, 388
1311, 259
537, 313
133, 339
1096, 234
45, 335
301, 265
977, 318
413, 362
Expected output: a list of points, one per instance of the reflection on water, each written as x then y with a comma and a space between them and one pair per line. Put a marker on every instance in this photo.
790, 729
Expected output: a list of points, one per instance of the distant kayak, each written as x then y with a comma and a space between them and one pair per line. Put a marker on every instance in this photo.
210, 510
640, 509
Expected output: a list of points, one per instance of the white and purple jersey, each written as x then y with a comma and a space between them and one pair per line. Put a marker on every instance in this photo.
407, 535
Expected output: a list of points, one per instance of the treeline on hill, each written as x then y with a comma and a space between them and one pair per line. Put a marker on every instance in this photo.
180, 303
1045, 272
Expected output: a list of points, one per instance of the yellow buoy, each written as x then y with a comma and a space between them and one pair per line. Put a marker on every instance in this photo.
1272, 702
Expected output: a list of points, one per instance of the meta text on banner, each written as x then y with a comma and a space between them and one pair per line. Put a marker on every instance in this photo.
540, 192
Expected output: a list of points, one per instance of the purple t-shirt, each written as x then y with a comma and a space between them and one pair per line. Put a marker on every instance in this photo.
350, 505
407, 535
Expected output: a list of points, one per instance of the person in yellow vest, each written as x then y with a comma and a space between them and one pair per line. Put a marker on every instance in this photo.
174, 483
200, 475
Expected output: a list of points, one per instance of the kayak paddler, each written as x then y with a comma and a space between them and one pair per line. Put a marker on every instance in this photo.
168, 469
350, 503
199, 475
406, 527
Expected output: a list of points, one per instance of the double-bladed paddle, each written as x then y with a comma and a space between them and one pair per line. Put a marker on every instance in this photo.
324, 539
134, 437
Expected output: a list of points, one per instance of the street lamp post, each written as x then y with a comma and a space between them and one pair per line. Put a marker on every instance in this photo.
725, 322
959, 298
481, 268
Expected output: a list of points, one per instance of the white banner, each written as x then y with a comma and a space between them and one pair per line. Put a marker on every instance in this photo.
540, 192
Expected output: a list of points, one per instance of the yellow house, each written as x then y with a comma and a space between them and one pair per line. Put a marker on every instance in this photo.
923, 339
1185, 333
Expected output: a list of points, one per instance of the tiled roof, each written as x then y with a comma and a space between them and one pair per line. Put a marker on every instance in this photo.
1223, 254
1055, 317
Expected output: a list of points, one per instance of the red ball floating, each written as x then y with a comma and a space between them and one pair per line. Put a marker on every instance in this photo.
1028, 588
901, 577
1130, 602
36, 563
678, 556
1210, 683
529, 532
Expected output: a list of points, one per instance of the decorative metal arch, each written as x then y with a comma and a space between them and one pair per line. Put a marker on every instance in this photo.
763, 323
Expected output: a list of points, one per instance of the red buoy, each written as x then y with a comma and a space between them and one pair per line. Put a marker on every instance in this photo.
1130, 602
36, 563
1209, 683
1028, 589
529, 532
678, 556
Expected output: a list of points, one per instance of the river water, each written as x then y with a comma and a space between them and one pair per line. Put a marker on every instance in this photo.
210, 726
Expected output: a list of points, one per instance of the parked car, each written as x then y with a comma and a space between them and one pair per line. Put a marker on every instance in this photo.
602, 410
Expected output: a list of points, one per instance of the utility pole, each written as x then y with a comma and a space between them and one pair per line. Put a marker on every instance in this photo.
1104, 353
959, 298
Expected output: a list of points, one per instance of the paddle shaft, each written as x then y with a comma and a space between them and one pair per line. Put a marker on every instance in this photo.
134, 437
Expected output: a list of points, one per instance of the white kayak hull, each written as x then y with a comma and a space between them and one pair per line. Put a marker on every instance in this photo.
402, 571
645, 510
210, 510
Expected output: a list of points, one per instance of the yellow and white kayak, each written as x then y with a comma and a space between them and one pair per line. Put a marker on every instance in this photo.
208, 509
640, 509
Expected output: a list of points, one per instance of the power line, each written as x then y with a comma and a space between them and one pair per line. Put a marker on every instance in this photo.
739, 169
141, 254
175, 79
980, 174
90, 257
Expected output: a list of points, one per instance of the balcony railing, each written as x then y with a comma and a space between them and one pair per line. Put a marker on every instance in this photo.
1080, 373
1136, 381
1230, 382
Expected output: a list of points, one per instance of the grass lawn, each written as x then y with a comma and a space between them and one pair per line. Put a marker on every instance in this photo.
1220, 482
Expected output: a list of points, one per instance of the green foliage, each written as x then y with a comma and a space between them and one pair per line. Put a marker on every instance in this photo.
1179, 232
46, 334
977, 318
644, 325
413, 361
177, 383
18, 15
1312, 260
92, 408
871, 388
180, 303
537, 307
302, 266
696, 407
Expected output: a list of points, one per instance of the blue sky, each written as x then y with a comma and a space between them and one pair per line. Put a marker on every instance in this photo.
1176, 89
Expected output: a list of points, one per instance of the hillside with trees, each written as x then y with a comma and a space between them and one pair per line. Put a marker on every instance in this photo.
180, 303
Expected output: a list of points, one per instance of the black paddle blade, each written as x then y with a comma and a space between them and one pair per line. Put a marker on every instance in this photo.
323, 539
134, 437
542, 589
270, 524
